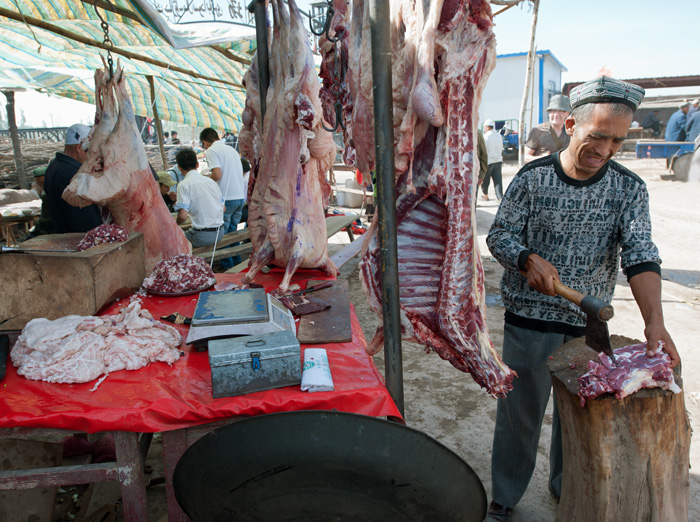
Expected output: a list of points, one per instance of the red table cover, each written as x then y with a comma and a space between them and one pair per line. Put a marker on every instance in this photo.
161, 397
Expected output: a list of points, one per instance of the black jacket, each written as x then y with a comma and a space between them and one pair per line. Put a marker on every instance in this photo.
67, 218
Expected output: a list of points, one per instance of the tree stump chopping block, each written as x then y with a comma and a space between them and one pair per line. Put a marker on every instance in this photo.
624, 459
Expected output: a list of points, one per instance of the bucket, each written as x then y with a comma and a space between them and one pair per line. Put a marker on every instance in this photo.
353, 200
340, 198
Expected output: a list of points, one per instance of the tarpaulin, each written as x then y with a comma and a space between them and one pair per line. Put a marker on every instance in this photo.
161, 397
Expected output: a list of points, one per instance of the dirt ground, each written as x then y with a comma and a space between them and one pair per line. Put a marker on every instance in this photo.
448, 405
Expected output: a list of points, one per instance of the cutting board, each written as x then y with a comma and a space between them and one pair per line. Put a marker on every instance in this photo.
55, 284
333, 324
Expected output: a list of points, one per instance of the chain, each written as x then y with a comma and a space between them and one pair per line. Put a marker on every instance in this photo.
337, 89
109, 45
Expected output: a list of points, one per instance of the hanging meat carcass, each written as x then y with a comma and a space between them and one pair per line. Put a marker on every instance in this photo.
118, 176
288, 191
443, 52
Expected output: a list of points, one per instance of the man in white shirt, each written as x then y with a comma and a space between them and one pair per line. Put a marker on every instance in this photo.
199, 198
227, 171
494, 149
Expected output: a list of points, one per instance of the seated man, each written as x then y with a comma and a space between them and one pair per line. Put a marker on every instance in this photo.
199, 198
167, 185
67, 218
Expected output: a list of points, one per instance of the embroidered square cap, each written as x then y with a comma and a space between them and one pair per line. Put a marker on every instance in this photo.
607, 90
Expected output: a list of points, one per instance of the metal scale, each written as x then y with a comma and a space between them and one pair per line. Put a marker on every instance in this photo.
238, 312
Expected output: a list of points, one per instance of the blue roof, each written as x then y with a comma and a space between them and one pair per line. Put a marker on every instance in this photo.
539, 53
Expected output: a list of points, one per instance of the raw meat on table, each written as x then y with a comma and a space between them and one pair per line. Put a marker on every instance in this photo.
76, 348
443, 52
103, 234
633, 371
180, 274
288, 190
118, 176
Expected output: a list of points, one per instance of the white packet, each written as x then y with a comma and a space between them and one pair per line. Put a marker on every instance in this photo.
316, 375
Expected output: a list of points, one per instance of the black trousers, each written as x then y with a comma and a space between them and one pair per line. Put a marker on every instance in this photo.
493, 172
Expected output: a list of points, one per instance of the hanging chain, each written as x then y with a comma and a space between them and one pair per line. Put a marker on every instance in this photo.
326, 23
109, 45
337, 89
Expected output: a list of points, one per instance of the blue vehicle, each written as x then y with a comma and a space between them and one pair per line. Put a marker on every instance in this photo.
509, 130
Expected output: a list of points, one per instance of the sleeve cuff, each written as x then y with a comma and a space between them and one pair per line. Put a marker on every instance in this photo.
522, 257
633, 270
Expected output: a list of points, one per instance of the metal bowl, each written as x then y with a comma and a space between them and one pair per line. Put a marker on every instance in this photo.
315, 466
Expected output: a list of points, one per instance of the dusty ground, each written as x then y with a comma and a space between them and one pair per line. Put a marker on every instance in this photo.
450, 407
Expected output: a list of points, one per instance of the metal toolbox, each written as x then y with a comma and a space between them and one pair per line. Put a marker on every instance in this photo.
253, 363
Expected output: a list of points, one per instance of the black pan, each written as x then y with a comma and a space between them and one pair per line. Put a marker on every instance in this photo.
313, 466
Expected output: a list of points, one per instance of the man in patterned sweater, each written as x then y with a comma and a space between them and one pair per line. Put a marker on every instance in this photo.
574, 216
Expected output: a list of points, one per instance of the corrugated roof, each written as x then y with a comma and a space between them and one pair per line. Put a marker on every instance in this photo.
33, 56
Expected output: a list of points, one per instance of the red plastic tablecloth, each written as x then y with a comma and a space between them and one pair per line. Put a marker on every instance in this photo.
161, 397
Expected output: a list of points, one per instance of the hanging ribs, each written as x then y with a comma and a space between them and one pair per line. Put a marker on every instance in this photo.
443, 52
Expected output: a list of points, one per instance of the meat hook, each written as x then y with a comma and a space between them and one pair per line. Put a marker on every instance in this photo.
326, 24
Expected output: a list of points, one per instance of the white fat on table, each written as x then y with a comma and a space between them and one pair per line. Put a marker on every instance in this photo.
75, 349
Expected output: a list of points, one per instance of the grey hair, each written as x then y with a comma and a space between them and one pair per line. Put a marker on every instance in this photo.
583, 113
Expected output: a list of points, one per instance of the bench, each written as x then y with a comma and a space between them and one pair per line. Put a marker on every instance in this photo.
334, 224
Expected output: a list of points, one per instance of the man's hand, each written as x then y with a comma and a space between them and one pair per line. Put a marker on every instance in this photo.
646, 289
541, 274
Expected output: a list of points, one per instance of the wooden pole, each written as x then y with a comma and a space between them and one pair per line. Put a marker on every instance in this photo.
526, 90
29, 20
156, 119
14, 136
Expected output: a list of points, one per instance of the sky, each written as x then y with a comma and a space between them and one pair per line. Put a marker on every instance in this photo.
630, 38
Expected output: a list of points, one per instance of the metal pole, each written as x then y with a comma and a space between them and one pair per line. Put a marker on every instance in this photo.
14, 137
384, 143
259, 8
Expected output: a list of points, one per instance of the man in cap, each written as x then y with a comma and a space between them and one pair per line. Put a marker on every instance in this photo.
675, 128
549, 137
694, 106
651, 121
692, 127
167, 189
494, 150
67, 218
574, 217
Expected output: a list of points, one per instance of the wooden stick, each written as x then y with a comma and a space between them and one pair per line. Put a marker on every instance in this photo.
159, 127
29, 20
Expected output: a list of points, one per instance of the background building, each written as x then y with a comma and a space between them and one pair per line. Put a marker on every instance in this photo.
504, 91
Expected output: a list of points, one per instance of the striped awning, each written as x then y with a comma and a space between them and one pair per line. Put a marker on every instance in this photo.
53, 46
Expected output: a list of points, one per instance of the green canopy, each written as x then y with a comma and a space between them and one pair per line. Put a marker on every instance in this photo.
53, 46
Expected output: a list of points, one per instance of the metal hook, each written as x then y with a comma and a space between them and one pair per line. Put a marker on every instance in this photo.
326, 24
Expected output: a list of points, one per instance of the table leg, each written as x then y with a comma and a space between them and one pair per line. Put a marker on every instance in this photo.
174, 445
131, 477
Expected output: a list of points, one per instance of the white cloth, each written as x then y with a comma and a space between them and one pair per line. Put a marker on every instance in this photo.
227, 159
316, 375
494, 146
201, 197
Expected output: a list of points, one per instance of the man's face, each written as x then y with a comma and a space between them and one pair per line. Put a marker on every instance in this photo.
206, 144
685, 109
595, 141
164, 189
557, 118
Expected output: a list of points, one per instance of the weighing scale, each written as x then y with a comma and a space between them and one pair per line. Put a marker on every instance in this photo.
238, 312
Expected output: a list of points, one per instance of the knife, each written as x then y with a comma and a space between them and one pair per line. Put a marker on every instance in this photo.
18, 250
4, 350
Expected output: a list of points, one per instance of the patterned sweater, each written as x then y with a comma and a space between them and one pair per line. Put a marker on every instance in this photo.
586, 229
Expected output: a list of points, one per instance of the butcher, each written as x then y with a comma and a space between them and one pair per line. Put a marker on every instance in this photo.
199, 198
227, 170
574, 216
67, 218
550, 136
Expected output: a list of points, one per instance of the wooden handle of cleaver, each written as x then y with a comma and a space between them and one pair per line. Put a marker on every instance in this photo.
568, 293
